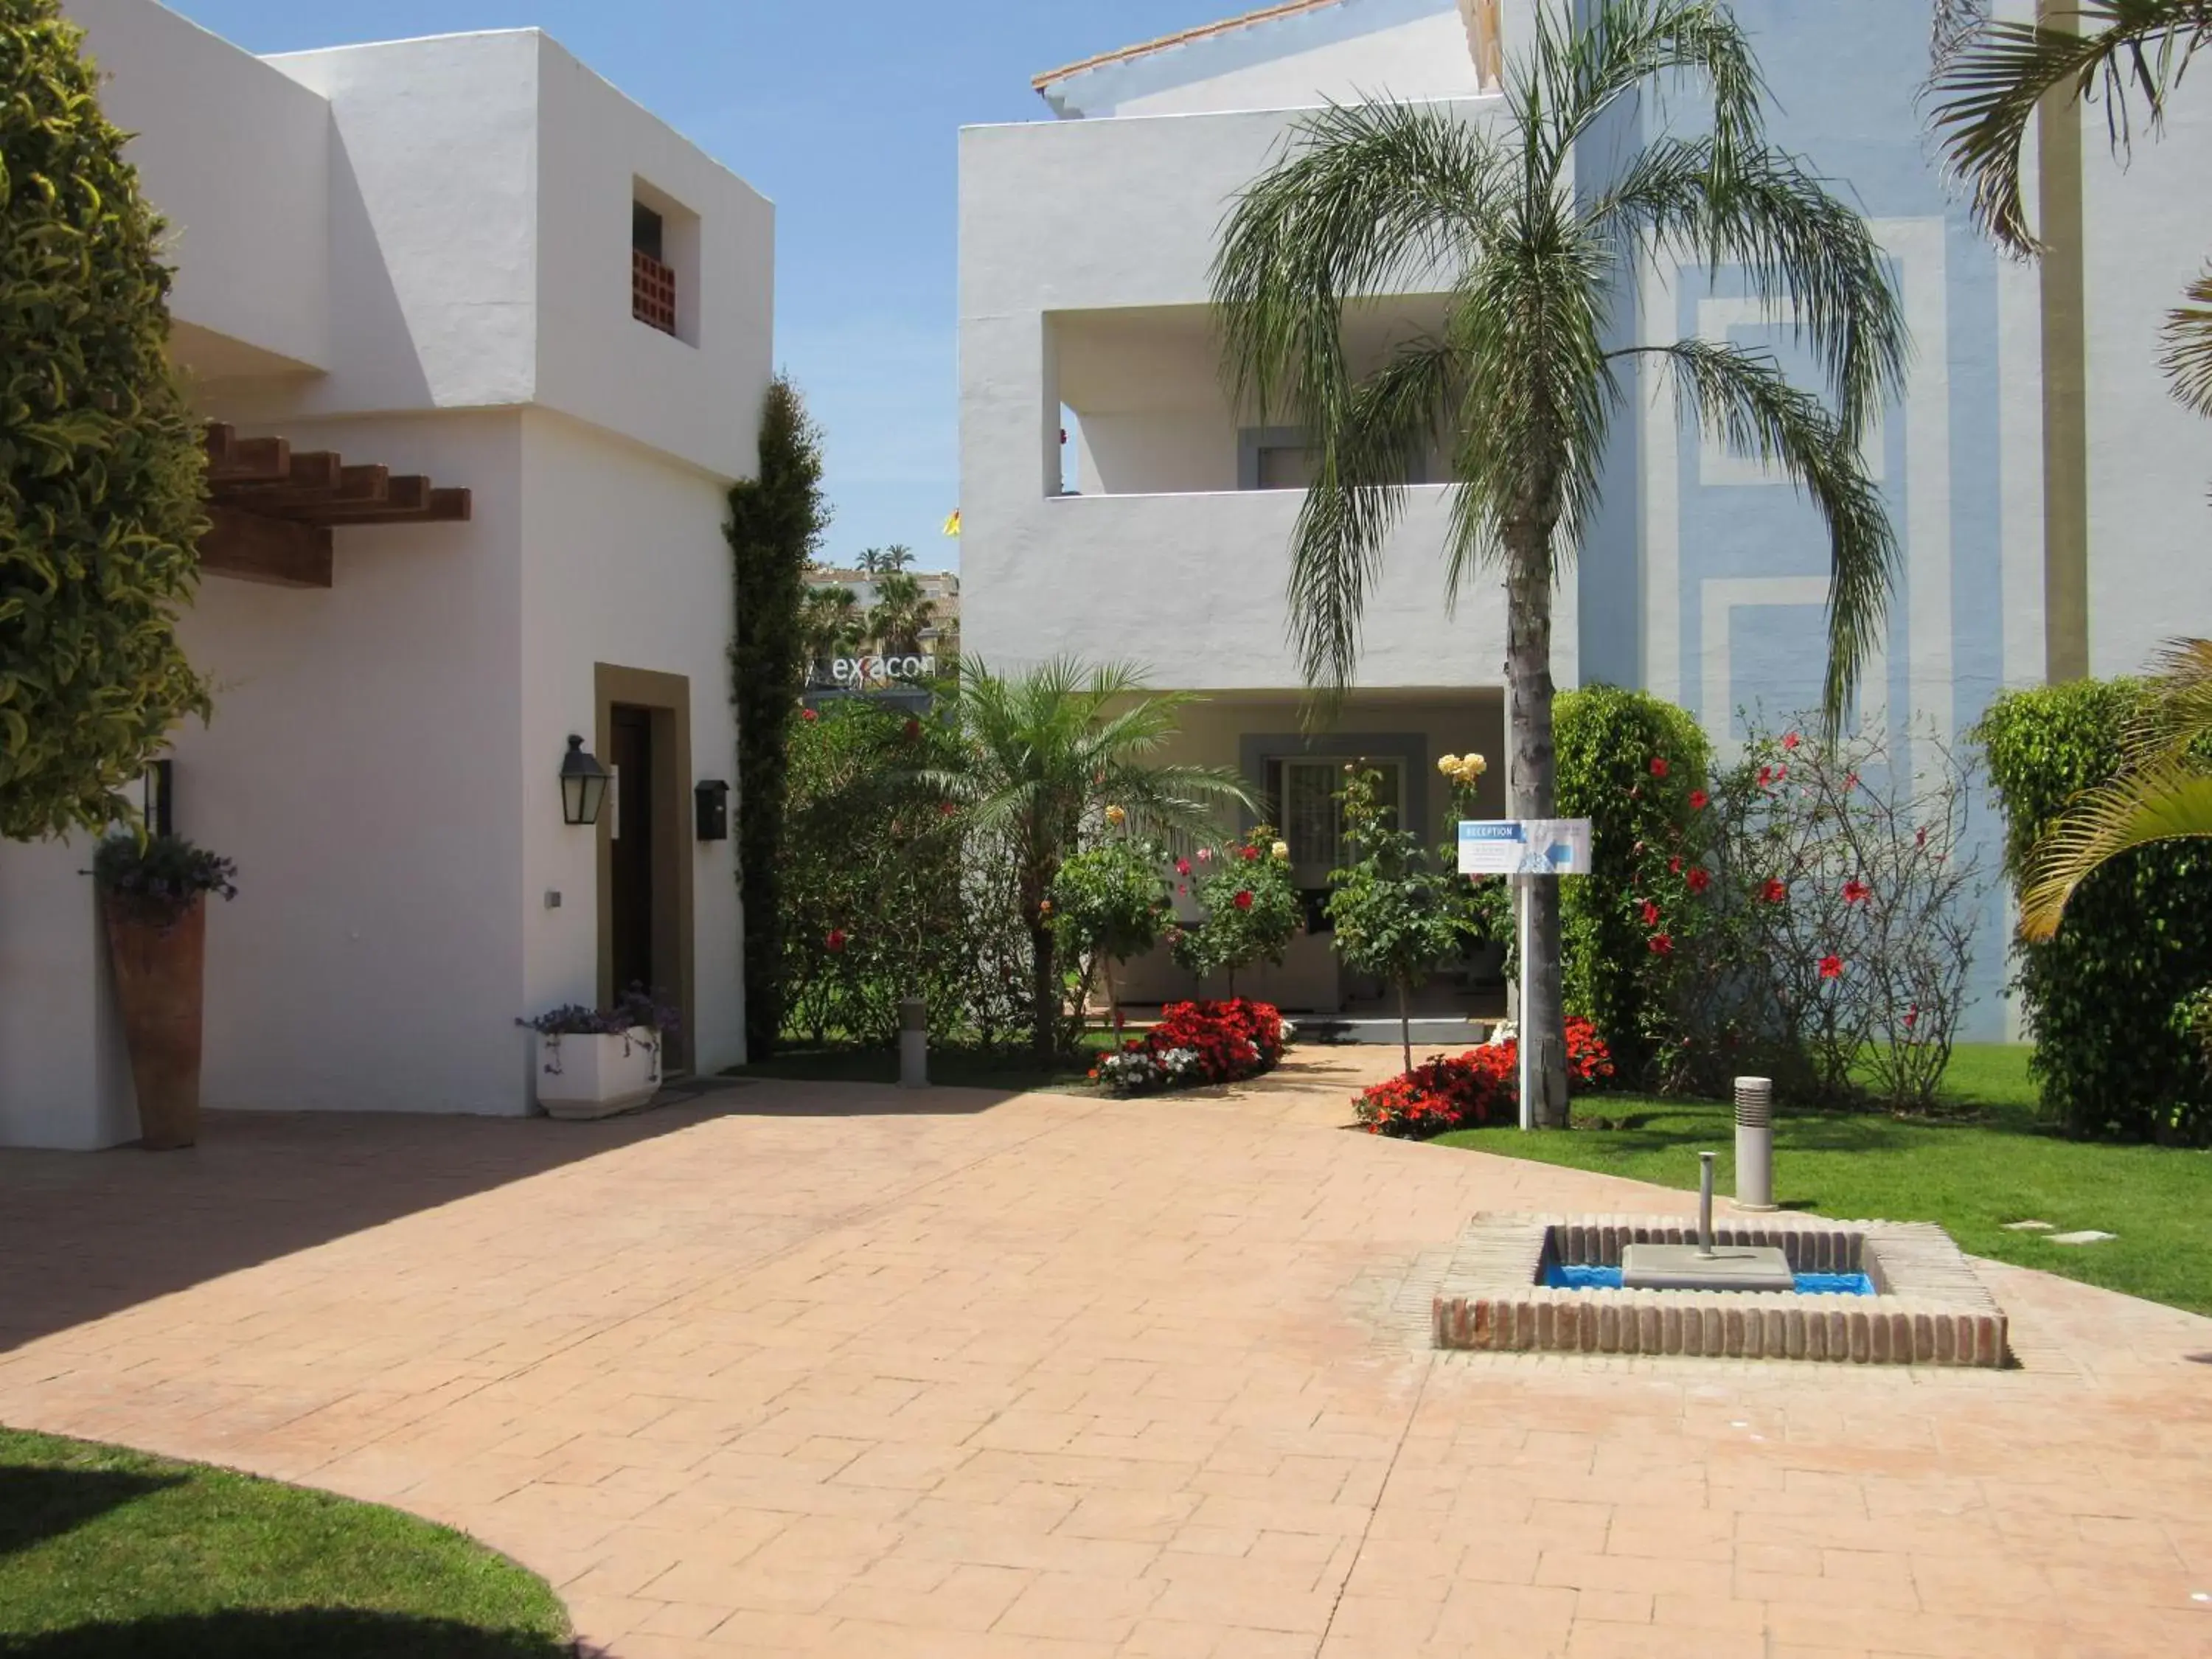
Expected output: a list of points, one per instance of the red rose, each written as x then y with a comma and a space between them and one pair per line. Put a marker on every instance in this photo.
1832, 967
1659, 768
1857, 891
1790, 741
835, 941
1699, 879
1765, 776
1674, 864
1662, 945
1244, 899
1182, 867
1699, 798
809, 716
1650, 914
1250, 855
1774, 892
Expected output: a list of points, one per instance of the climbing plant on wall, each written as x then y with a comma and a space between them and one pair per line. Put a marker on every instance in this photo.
100, 467
776, 520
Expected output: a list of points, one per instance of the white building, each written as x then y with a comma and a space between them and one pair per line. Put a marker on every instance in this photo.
471, 263
1085, 242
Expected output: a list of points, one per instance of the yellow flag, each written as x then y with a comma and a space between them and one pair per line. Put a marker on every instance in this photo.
952, 524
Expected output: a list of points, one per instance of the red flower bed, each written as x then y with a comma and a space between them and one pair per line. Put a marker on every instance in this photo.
1478, 1087
1197, 1043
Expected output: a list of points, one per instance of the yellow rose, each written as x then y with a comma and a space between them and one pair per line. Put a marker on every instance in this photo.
1449, 766
1116, 817
1282, 849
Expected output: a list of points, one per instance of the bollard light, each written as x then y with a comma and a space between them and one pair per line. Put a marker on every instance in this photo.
1754, 1143
914, 1044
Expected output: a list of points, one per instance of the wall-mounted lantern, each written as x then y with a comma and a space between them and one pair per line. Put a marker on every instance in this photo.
712, 799
583, 784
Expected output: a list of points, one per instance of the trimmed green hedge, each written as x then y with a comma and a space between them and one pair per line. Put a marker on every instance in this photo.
2110, 1057
1608, 740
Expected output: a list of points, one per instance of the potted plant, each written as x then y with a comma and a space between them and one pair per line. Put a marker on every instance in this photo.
153, 903
598, 1062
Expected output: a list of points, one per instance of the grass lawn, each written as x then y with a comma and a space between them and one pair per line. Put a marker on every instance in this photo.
106, 1552
1996, 1163
951, 1067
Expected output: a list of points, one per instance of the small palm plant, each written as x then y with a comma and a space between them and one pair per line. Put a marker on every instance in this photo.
1042, 755
1520, 386
900, 614
830, 624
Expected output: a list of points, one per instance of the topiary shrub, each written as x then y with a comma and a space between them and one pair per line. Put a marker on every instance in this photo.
2110, 1057
1630, 762
776, 520
100, 464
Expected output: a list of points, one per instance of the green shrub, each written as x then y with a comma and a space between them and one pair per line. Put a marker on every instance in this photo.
2110, 1058
100, 467
1110, 904
1252, 911
1629, 762
776, 520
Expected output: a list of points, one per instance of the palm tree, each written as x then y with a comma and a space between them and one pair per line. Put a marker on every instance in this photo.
830, 624
2131, 53
870, 562
900, 614
1519, 384
2161, 792
898, 557
1044, 753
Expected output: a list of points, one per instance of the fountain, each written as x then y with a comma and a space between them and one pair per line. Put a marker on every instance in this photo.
1701, 1267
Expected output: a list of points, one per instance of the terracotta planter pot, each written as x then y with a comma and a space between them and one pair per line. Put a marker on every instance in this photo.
159, 974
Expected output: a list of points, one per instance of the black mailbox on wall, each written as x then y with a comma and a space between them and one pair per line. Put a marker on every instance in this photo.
712, 798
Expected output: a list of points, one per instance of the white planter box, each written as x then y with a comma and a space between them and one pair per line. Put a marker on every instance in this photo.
581, 1077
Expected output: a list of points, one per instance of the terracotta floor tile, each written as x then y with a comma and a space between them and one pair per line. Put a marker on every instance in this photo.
832, 1370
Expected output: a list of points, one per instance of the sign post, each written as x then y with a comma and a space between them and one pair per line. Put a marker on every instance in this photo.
1527, 849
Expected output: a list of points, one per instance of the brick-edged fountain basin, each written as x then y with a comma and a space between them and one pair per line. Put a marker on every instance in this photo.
1928, 1306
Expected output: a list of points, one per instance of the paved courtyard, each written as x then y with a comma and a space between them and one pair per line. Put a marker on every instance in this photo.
815, 1370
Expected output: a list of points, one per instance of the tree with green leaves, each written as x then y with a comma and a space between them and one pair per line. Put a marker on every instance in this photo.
1518, 387
1252, 910
1391, 915
830, 626
899, 615
776, 526
896, 557
1110, 903
101, 474
1046, 752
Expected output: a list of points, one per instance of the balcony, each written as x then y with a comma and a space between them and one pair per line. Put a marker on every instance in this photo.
652, 291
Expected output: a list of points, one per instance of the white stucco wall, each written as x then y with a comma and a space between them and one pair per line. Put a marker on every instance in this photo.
236, 154
363, 768
1098, 217
65, 1075
698, 397
2150, 460
625, 564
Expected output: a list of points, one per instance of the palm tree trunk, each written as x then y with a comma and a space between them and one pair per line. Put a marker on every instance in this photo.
1044, 993
1535, 795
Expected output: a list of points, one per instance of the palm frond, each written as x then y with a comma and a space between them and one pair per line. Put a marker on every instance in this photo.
1797, 241
2186, 346
1572, 74
1743, 398
2124, 52
1357, 496
1359, 199
2176, 712
2166, 800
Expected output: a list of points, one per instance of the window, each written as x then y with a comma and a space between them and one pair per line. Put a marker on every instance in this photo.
664, 263
1286, 467
1305, 790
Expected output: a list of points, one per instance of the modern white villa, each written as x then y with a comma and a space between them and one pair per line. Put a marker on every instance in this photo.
2049, 499
483, 344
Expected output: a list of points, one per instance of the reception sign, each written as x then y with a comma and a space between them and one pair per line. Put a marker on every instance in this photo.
1525, 846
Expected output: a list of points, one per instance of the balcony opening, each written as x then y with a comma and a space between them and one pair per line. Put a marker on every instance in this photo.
664, 263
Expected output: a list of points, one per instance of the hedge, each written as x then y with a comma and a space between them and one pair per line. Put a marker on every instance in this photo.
2110, 1057
1607, 741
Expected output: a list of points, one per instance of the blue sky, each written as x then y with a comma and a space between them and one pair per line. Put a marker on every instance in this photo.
845, 114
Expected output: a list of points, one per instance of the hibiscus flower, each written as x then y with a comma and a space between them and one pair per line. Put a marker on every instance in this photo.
1774, 892
1832, 967
835, 941
1790, 741
1659, 768
1650, 914
1699, 799
1857, 891
809, 716
1662, 945
1699, 878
